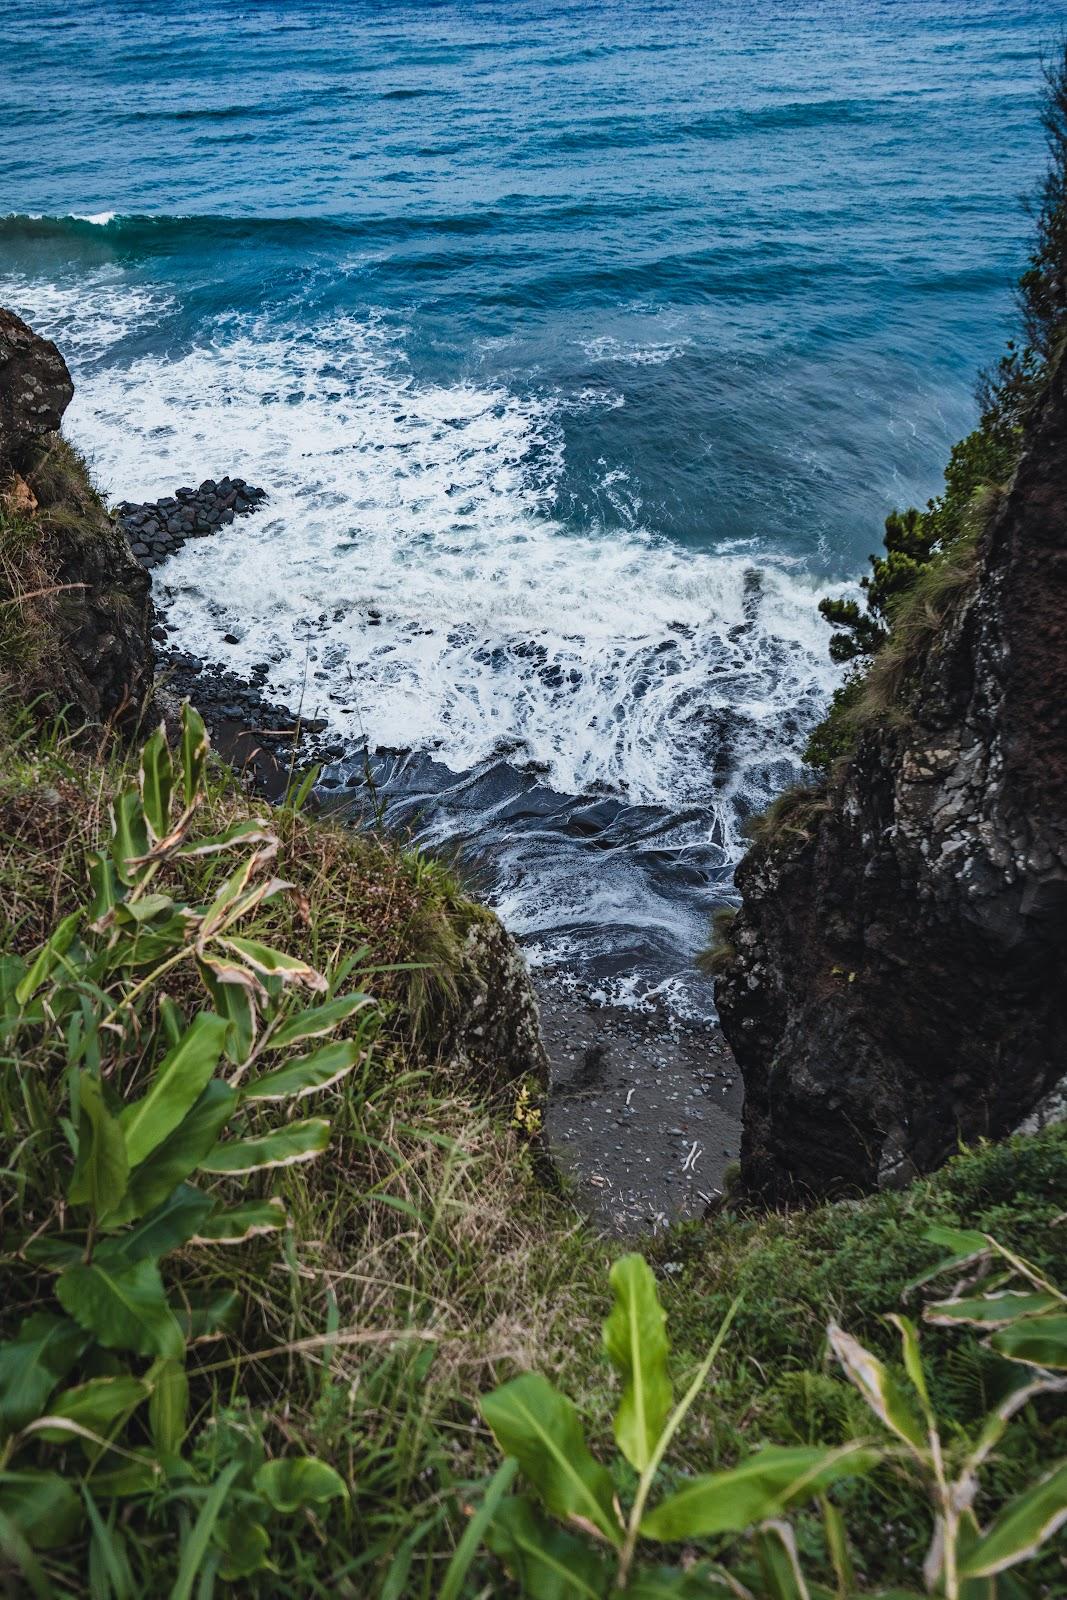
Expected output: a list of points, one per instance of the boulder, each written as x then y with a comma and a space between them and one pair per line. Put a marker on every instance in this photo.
35, 390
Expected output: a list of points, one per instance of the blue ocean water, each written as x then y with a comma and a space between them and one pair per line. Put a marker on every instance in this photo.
580, 348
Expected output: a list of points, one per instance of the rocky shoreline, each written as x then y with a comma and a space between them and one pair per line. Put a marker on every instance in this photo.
644, 1111
264, 741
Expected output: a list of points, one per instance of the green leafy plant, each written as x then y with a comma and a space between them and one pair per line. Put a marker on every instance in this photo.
594, 1553
588, 1544
170, 1126
909, 546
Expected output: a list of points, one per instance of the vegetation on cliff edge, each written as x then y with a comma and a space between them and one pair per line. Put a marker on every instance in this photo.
929, 555
414, 1265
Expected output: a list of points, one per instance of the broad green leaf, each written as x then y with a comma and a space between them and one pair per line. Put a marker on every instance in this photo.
33, 1363
307, 1074
238, 1223
125, 1308
913, 1365
250, 830
129, 835
157, 783
761, 1487
275, 963
48, 958
990, 1310
173, 1019
179, 1155
297, 1141
195, 745
176, 1086
245, 1544
540, 1427
235, 1001
54, 1254
171, 1224
168, 1405
963, 1245
150, 942
878, 1388
1038, 1341
1025, 1524
206, 1317
317, 1021
97, 1405
227, 896
107, 892
636, 1342
296, 1482
102, 1169
546, 1563
43, 1507
122, 1483
132, 913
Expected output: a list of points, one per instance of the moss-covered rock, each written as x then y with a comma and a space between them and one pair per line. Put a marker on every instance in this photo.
75, 607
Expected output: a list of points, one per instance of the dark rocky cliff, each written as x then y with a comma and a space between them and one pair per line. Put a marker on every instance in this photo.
897, 979
77, 613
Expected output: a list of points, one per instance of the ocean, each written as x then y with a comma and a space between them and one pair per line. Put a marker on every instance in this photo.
580, 349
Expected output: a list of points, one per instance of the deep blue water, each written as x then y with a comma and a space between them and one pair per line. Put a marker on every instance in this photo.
580, 348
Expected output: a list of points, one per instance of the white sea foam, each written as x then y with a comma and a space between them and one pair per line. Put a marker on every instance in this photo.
605, 347
89, 318
410, 581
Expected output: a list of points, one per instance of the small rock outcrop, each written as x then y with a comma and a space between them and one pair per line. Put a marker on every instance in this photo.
81, 642
157, 528
495, 1035
897, 980
35, 390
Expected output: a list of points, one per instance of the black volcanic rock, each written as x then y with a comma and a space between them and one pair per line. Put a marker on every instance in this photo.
90, 612
35, 390
898, 979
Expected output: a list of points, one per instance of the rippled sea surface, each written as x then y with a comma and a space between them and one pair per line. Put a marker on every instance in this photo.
580, 348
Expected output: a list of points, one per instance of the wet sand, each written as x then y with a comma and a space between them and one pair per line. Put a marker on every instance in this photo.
644, 1113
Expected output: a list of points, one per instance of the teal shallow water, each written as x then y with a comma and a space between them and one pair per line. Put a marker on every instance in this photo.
580, 348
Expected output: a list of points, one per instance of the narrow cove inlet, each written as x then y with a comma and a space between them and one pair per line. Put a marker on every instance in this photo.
533, 799
565, 419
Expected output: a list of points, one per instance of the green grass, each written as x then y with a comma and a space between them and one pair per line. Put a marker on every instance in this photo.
427, 1262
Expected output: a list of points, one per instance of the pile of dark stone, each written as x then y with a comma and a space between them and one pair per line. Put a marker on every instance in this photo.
157, 528
246, 727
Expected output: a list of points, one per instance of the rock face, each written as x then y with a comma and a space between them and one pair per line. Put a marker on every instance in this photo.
898, 979
35, 390
495, 1036
81, 597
